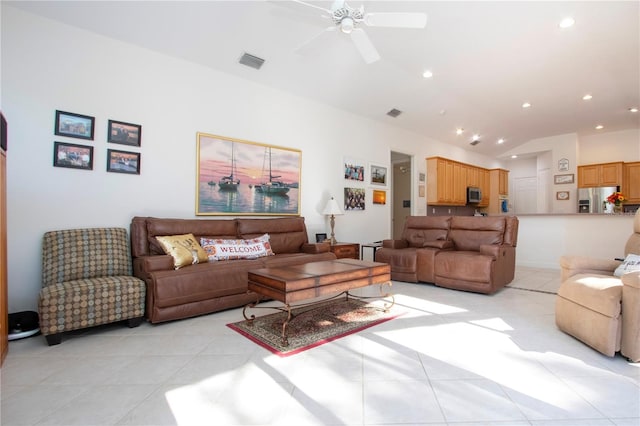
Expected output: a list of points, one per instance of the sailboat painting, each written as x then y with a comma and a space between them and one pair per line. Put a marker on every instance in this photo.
237, 177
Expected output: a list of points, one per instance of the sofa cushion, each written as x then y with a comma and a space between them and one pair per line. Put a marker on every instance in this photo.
287, 235
253, 248
599, 293
421, 229
221, 228
184, 249
468, 233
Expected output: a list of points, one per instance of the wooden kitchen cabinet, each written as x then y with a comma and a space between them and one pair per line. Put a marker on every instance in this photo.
605, 174
631, 182
447, 182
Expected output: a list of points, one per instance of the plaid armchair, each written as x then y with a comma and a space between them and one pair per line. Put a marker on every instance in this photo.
87, 281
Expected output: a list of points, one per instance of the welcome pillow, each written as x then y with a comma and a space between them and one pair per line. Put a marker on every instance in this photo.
219, 249
631, 263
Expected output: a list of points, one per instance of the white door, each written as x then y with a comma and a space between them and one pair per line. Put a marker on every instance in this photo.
525, 199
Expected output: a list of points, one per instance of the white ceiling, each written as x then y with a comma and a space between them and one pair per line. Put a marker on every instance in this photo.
487, 59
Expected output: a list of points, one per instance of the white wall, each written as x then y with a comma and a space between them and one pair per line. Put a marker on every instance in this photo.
608, 147
47, 66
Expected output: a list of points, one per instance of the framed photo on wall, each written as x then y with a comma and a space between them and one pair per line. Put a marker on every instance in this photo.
353, 169
236, 177
378, 175
72, 156
562, 195
562, 179
124, 133
123, 162
354, 199
74, 125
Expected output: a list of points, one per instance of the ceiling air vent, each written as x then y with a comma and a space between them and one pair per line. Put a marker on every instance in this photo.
474, 143
394, 113
251, 61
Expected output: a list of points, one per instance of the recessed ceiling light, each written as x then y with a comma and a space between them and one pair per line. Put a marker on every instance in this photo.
500, 141
526, 105
475, 137
587, 97
459, 131
514, 156
633, 109
567, 22
599, 127
427, 74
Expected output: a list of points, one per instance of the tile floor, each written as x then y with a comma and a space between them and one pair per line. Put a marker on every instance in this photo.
453, 358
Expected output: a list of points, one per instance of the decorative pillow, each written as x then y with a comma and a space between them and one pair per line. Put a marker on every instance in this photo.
631, 263
219, 249
184, 249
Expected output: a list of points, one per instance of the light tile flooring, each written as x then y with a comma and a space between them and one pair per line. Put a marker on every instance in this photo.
454, 358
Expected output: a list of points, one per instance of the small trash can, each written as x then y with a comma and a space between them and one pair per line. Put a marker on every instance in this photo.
23, 324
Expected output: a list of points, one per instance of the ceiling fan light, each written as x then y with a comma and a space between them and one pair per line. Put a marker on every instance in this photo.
346, 25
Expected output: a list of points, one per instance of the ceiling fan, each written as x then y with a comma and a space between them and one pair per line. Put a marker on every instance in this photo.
349, 20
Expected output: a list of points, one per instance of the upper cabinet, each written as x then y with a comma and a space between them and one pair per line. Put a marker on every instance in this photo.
631, 182
606, 174
447, 182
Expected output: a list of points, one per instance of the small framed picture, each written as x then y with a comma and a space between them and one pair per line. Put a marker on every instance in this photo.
72, 156
123, 162
379, 197
562, 179
74, 125
377, 175
321, 237
562, 195
124, 133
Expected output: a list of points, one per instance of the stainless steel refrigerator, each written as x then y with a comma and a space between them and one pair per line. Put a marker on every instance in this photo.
594, 200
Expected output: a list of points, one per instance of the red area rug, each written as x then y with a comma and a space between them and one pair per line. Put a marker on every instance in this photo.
313, 325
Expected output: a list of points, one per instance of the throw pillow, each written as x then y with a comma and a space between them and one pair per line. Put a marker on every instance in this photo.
184, 249
631, 263
253, 248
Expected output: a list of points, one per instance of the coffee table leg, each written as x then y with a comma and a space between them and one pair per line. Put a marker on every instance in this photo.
285, 340
387, 305
250, 306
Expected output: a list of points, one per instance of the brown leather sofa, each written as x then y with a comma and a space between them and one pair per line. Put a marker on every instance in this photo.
469, 253
213, 286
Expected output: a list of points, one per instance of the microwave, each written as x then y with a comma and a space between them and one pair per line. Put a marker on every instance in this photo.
474, 195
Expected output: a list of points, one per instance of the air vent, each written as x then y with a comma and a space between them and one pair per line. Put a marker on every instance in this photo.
474, 143
251, 61
394, 113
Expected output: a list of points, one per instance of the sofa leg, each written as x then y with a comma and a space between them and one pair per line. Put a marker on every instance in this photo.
134, 322
54, 339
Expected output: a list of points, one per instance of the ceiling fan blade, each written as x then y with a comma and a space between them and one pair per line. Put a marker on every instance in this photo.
305, 47
396, 19
364, 45
309, 5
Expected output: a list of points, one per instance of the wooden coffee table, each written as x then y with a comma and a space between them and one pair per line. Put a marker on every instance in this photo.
296, 283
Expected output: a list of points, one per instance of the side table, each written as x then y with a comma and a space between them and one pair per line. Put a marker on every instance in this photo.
374, 246
346, 250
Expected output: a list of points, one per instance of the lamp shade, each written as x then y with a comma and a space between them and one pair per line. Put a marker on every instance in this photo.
332, 208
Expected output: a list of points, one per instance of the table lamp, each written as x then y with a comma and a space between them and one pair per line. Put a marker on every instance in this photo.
332, 209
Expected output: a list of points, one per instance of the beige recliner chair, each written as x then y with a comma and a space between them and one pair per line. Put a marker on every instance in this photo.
599, 308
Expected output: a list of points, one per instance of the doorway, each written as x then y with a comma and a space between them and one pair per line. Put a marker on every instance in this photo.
401, 191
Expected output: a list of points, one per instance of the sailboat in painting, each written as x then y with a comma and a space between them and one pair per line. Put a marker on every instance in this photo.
274, 186
230, 183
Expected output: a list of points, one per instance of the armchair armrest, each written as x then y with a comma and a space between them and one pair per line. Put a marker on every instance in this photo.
631, 279
573, 265
315, 248
395, 244
491, 250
